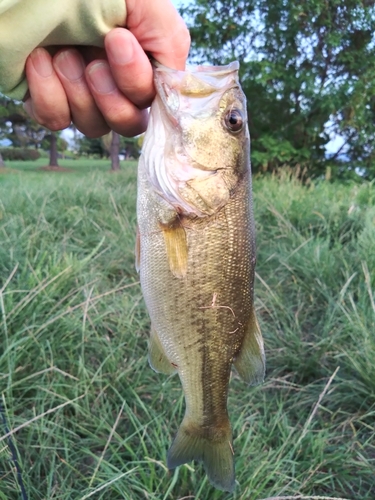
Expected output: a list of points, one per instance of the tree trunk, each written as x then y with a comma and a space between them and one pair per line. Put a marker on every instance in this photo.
115, 151
2, 164
53, 150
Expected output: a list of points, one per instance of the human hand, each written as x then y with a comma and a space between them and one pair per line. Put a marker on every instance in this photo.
98, 89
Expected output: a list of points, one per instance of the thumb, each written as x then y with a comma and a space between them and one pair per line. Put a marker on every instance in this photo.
160, 30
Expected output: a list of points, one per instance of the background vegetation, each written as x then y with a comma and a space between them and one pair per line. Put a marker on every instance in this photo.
90, 419
308, 71
85, 414
21, 138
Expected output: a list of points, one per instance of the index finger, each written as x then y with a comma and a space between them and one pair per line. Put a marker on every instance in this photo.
160, 30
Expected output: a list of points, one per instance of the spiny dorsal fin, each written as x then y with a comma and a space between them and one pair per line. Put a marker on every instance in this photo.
250, 362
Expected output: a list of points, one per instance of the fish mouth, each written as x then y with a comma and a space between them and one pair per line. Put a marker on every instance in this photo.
193, 90
192, 184
207, 70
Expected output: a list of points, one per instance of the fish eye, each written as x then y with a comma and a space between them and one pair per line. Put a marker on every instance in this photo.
233, 120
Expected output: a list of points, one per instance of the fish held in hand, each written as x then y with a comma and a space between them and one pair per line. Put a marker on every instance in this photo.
196, 254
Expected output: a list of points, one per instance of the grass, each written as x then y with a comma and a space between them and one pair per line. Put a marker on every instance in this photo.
90, 419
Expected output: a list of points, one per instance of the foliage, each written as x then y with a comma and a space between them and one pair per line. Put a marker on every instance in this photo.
22, 131
62, 144
91, 147
307, 69
129, 147
100, 147
17, 126
23, 154
25, 132
97, 421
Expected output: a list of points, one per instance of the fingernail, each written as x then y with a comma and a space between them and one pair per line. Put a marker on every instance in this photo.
70, 64
101, 78
120, 53
28, 107
42, 62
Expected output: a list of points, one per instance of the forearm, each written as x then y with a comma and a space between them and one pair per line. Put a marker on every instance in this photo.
25, 25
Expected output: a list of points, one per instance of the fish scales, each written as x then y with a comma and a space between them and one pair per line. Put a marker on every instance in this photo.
197, 269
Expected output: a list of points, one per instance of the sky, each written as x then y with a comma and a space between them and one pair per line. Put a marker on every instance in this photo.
178, 3
331, 147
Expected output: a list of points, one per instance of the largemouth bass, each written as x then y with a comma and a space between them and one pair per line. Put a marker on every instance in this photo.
196, 254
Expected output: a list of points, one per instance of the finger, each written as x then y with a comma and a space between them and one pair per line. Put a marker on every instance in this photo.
119, 112
70, 68
49, 104
130, 67
160, 30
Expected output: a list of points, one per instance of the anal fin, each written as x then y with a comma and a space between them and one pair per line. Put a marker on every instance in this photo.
156, 356
250, 362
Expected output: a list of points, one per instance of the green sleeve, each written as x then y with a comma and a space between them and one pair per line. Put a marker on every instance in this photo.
27, 24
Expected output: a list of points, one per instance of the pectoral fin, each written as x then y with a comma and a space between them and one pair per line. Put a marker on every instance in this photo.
156, 356
177, 250
250, 362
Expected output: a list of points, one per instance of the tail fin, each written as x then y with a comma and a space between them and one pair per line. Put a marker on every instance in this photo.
213, 448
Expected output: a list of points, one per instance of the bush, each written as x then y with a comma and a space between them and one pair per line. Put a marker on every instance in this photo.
22, 154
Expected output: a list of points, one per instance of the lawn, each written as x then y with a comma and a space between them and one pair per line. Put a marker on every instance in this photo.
88, 417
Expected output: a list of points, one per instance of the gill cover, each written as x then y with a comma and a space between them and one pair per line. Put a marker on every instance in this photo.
197, 137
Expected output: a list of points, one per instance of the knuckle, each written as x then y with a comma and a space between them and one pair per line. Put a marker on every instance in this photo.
93, 133
186, 38
131, 128
58, 125
117, 114
54, 123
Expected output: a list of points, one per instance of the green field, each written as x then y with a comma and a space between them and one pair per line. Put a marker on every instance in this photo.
90, 419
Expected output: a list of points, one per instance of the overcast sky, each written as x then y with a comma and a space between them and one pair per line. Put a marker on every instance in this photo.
331, 147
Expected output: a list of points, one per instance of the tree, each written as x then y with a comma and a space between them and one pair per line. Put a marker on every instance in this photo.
115, 151
111, 143
23, 132
308, 72
91, 147
53, 162
9, 112
17, 127
27, 132
130, 147
2, 113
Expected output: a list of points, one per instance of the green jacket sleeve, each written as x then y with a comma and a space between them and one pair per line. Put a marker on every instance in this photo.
27, 24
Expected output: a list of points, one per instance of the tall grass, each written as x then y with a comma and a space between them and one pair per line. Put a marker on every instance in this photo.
90, 419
